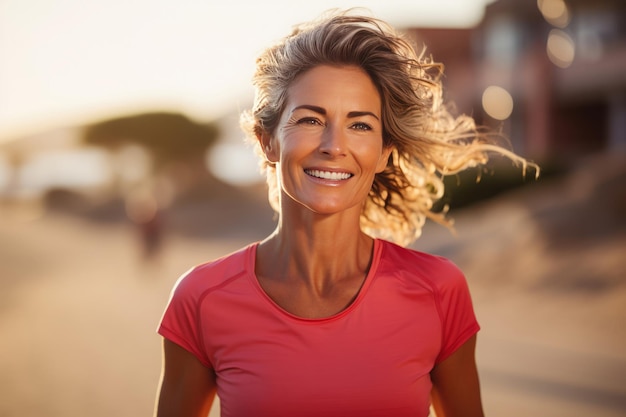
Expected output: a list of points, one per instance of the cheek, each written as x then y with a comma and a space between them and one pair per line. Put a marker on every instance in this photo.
295, 145
373, 156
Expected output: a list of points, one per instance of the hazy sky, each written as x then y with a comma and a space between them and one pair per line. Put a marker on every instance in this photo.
70, 61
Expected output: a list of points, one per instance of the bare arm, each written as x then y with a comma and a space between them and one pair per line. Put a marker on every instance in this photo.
456, 389
187, 387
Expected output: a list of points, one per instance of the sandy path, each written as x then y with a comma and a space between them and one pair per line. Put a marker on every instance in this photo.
79, 325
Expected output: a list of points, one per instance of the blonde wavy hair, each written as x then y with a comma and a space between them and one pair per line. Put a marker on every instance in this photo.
428, 141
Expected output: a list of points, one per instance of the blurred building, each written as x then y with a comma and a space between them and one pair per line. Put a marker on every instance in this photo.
551, 73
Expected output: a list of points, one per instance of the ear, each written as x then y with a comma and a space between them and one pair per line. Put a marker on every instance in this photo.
268, 146
384, 158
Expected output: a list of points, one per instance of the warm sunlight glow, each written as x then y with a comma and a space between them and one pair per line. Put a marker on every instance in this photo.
68, 62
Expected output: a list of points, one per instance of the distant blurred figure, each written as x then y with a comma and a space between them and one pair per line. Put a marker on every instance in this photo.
143, 210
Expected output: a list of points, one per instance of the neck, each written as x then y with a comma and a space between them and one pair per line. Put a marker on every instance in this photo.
316, 251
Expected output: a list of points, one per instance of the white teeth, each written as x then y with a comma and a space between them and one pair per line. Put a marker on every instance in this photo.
327, 175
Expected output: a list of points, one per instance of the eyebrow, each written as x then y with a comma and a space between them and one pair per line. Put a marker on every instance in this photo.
322, 111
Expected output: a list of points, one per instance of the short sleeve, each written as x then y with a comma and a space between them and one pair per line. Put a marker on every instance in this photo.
458, 320
180, 322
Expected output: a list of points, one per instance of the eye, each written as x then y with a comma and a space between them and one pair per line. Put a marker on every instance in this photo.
361, 126
309, 121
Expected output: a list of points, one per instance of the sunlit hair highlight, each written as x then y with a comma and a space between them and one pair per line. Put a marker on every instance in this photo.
428, 141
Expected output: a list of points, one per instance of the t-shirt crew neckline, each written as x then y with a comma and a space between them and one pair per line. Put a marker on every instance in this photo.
250, 268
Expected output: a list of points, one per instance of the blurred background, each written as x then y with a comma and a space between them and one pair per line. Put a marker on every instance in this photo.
122, 165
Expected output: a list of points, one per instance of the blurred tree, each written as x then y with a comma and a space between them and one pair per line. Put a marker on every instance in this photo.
170, 138
176, 147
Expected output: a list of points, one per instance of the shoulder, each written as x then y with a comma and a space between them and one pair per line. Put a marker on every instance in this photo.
434, 271
208, 276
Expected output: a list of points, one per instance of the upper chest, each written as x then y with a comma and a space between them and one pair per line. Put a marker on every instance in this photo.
376, 355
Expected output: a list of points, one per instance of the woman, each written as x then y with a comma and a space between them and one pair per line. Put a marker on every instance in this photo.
326, 316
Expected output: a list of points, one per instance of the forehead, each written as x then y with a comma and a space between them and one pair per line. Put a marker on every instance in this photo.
342, 86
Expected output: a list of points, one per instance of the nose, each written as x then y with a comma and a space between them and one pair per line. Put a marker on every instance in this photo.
334, 142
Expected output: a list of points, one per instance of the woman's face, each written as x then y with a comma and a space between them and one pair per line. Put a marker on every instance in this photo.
328, 144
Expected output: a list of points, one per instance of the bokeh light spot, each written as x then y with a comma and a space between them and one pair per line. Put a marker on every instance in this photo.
555, 12
560, 48
497, 102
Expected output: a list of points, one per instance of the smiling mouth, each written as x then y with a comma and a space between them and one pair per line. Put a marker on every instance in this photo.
328, 175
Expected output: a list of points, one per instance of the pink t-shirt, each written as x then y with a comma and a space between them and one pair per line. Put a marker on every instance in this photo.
372, 359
